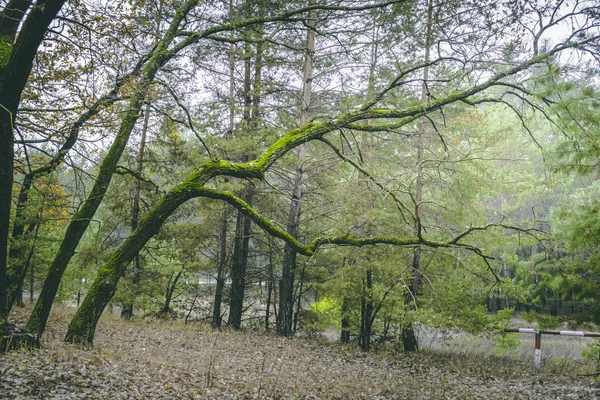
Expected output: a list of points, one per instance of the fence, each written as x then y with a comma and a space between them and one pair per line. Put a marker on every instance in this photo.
538, 338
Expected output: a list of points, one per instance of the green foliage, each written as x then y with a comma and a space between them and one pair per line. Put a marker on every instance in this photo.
327, 314
544, 321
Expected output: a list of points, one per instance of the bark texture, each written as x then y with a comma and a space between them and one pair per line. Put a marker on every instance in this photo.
286, 285
16, 59
80, 221
409, 338
127, 311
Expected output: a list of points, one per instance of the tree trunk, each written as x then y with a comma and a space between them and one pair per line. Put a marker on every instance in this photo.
270, 280
243, 225
299, 301
222, 264
409, 339
367, 312
222, 261
83, 325
127, 310
80, 221
32, 283
345, 335
171, 285
240, 262
27, 265
286, 285
16, 59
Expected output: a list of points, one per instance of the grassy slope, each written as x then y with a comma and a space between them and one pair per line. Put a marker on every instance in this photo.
162, 360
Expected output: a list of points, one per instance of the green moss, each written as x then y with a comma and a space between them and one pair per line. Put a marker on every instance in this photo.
6, 45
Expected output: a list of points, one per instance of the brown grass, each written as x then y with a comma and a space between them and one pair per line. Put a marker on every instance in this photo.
164, 360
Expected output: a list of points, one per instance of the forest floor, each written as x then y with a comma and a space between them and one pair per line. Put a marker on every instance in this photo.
167, 360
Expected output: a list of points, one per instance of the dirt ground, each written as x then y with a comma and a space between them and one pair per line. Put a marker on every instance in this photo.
167, 360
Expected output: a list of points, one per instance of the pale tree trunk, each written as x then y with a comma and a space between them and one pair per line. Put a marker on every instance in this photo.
127, 311
286, 285
239, 258
299, 300
409, 338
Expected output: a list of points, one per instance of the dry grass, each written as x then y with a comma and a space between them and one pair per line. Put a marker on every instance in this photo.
163, 360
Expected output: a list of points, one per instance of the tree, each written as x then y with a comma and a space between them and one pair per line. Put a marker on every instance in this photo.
474, 71
23, 26
286, 285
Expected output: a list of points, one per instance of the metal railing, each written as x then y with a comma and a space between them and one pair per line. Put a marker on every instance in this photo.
538, 338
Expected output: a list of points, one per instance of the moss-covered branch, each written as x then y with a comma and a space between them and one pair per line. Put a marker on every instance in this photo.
82, 327
80, 221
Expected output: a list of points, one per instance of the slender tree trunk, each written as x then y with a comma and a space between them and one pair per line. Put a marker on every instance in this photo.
32, 283
127, 311
171, 285
345, 335
27, 264
269, 288
409, 338
239, 263
299, 300
6, 180
239, 259
367, 312
222, 261
221, 273
286, 285
251, 118
16, 254
16, 60
80, 221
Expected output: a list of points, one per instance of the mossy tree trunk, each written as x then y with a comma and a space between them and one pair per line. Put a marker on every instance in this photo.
17, 52
80, 221
82, 326
16, 254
